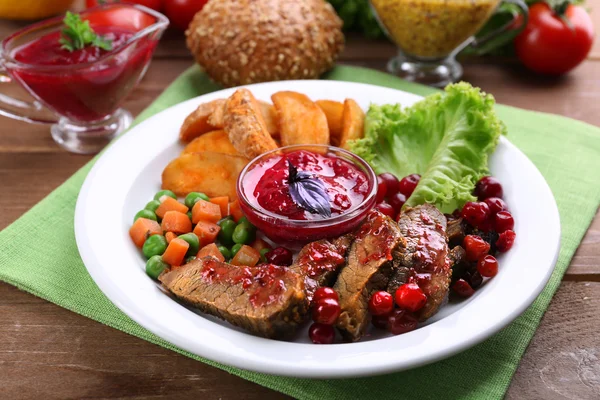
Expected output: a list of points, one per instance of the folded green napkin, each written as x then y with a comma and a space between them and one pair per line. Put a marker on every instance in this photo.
38, 254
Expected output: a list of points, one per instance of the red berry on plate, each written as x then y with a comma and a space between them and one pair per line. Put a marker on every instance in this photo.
488, 186
408, 184
410, 297
386, 209
462, 288
280, 256
380, 321
495, 204
400, 321
391, 182
381, 303
503, 221
321, 334
475, 247
325, 293
381, 190
397, 201
505, 241
488, 266
475, 213
326, 311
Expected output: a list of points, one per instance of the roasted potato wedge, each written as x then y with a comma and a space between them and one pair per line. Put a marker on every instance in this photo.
353, 123
215, 141
217, 118
246, 126
197, 123
214, 174
334, 111
301, 121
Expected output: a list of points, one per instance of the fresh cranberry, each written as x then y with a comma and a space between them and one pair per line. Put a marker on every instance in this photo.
326, 311
475, 213
381, 303
321, 334
400, 321
386, 209
280, 256
474, 279
495, 204
475, 247
381, 190
462, 288
505, 241
408, 184
410, 297
487, 187
325, 293
380, 321
391, 182
397, 201
488, 266
503, 221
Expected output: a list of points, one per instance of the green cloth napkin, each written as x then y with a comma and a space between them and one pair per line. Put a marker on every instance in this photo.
38, 254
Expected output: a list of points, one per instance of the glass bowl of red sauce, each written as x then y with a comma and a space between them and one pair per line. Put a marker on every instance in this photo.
302, 193
83, 89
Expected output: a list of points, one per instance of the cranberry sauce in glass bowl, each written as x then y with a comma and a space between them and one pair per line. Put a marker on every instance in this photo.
303, 193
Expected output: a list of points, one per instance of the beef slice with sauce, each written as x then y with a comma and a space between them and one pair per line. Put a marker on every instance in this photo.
425, 253
368, 269
268, 301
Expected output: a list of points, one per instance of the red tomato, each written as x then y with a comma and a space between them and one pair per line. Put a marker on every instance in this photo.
124, 17
153, 4
181, 12
548, 45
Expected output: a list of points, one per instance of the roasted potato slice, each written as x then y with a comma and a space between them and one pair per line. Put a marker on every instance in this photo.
246, 126
334, 111
217, 118
197, 123
353, 123
301, 121
214, 174
215, 141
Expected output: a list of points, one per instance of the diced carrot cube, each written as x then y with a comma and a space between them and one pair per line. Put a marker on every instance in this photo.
235, 210
175, 253
206, 212
223, 203
170, 236
211, 250
170, 204
246, 256
207, 232
260, 244
142, 228
176, 222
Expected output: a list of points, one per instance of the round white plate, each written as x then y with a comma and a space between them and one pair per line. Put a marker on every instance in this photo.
126, 177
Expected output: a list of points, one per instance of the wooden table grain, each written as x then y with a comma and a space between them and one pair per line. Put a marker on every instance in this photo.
47, 351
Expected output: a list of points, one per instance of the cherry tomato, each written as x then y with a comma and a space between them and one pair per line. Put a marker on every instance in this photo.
181, 12
153, 4
549, 45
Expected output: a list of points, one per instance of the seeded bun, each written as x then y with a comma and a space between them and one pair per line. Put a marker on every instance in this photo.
238, 42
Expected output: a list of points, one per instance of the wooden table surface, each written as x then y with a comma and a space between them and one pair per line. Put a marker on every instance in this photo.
48, 351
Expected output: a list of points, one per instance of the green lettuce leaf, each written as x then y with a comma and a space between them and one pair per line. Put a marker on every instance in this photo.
446, 138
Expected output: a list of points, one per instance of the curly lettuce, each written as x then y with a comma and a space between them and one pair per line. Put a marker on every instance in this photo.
446, 138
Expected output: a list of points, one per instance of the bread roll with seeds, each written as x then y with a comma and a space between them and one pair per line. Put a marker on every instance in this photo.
239, 42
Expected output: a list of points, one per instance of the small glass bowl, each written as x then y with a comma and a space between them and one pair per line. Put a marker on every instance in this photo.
281, 229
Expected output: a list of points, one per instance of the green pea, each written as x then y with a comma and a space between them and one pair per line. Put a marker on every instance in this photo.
225, 251
244, 221
235, 249
193, 241
263, 252
227, 218
189, 214
152, 205
190, 259
155, 245
162, 193
155, 266
226, 233
145, 214
242, 234
193, 198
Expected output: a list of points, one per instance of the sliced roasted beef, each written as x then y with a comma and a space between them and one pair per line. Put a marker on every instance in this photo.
267, 300
457, 255
456, 231
368, 269
319, 262
424, 256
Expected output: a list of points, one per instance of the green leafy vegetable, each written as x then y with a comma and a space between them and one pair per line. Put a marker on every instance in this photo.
358, 16
447, 138
79, 34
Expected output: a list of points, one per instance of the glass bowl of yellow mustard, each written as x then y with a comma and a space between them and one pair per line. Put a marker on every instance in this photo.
430, 33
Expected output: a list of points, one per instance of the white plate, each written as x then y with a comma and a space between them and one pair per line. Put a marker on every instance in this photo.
126, 177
